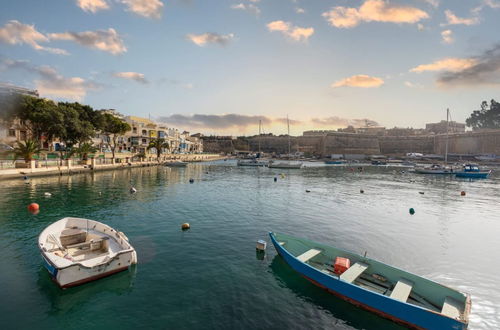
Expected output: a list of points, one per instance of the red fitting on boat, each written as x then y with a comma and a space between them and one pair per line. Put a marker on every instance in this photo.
341, 265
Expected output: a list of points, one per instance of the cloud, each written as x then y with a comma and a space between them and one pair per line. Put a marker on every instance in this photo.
492, 4
50, 82
412, 85
433, 3
483, 70
210, 38
447, 36
251, 8
105, 40
447, 64
295, 33
145, 8
452, 19
342, 122
299, 10
138, 77
360, 80
92, 6
17, 33
215, 121
373, 10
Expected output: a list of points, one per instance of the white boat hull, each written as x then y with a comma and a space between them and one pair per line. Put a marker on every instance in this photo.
285, 165
74, 264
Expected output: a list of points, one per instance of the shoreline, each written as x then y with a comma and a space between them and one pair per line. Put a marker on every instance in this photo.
14, 173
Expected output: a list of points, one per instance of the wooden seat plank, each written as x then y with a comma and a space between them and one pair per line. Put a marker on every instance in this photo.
353, 272
402, 290
451, 308
308, 255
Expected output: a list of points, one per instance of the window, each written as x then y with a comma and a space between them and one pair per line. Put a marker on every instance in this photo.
12, 132
144, 132
22, 136
134, 129
144, 141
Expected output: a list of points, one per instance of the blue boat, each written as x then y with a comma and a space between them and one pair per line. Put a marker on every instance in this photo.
335, 162
473, 171
402, 297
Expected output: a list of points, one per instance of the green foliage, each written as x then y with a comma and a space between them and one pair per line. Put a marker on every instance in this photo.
487, 117
26, 150
84, 149
159, 144
113, 127
41, 117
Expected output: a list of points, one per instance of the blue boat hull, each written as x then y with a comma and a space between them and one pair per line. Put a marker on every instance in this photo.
477, 175
406, 314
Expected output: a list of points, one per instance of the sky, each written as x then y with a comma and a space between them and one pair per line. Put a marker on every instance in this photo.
221, 66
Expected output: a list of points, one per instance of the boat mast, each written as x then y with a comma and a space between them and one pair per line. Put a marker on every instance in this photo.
289, 146
446, 145
260, 123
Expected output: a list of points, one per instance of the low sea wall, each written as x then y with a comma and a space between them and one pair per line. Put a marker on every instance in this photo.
68, 168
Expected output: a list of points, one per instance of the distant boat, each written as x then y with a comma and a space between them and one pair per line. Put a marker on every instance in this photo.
487, 158
379, 162
284, 164
473, 171
392, 293
176, 164
335, 162
78, 250
434, 169
251, 162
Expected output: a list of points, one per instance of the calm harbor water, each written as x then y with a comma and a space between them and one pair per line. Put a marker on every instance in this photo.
211, 277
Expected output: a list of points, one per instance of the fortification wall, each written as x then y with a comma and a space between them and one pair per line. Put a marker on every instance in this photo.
406, 144
485, 142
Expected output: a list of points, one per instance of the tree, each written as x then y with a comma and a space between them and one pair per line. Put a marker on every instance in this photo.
84, 149
41, 117
487, 117
158, 144
26, 150
75, 131
113, 127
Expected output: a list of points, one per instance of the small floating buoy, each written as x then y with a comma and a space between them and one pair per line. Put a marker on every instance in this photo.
34, 208
275, 179
185, 226
421, 192
133, 190
412, 211
261, 245
191, 180
308, 190
47, 194
361, 191
462, 193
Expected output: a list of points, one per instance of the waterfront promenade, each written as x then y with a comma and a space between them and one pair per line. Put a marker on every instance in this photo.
38, 168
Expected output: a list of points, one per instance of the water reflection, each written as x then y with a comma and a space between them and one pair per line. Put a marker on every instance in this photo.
61, 301
341, 310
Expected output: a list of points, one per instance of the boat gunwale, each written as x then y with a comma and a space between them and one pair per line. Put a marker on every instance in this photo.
48, 256
467, 305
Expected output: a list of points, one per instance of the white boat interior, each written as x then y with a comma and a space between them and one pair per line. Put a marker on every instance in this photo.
87, 242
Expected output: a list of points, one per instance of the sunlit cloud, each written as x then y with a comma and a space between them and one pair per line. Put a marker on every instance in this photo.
409, 84
343, 122
135, 76
447, 36
210, 38
484, 70
295, 33
105, 40
17, 33
373, 11
299, 10
92, 6
446, 64
452, 19
145, 8
361, 80
50, 83
433, 3
251, 8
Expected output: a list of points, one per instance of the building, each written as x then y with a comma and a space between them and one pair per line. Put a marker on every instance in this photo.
442, 127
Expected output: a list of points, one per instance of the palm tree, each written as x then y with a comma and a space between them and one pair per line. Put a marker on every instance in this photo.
84, 149
158, 144
26, 150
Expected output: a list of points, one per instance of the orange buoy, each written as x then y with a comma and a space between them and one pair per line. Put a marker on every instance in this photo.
33, 207
185, 226
462, 193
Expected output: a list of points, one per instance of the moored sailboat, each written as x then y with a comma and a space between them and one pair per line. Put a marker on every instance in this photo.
392, 293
